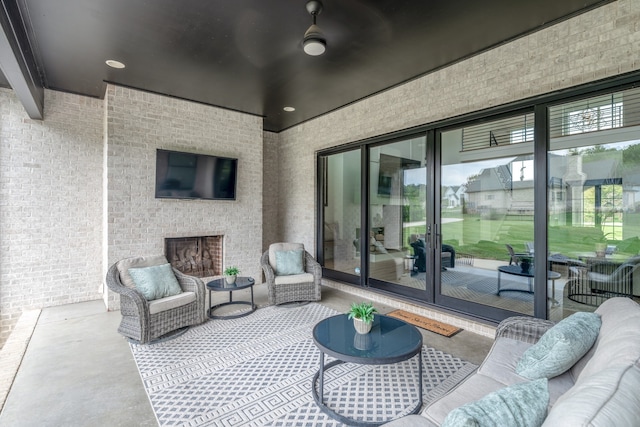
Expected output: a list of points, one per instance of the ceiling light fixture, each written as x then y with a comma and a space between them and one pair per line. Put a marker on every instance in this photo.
114, 64
314, 43
289, 109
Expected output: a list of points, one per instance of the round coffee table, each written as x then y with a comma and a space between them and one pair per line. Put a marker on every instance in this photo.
390, 341
221, 285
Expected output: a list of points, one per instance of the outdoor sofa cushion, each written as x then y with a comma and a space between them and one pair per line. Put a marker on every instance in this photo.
560, 347
293, 279
159, 305
156, 281
285, 246
124, 265
289, 262
168, 303
607, 398
519, 405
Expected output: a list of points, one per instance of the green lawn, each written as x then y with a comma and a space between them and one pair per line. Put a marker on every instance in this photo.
486, 238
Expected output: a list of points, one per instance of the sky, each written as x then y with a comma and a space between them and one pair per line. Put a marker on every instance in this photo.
457, 174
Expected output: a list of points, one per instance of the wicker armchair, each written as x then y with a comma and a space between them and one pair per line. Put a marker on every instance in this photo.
291, 288
143, 321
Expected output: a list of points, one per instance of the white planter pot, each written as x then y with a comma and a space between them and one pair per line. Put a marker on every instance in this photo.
230, 279
362, 327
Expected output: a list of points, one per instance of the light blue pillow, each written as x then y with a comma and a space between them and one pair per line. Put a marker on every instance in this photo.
560, 347
289, 262
155, 282
519, 405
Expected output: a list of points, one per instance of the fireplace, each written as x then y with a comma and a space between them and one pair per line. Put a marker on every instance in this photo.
199, 256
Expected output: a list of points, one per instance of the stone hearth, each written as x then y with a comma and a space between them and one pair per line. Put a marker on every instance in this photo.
199, 256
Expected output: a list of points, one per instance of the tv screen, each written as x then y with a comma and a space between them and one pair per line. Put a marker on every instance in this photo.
392, 170
195, 176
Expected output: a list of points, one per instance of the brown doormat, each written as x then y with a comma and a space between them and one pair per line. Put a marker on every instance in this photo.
425, 323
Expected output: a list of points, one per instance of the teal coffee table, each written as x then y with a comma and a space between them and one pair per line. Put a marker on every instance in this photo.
390, 341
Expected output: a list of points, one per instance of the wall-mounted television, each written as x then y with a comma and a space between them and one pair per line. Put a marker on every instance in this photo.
182, 175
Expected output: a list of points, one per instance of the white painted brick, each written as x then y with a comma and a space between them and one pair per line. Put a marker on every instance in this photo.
138, 124
50, 209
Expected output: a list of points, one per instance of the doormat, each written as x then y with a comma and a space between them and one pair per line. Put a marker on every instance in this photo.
425, 323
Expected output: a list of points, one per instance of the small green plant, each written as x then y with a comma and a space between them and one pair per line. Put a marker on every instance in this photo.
231, 271
363, 311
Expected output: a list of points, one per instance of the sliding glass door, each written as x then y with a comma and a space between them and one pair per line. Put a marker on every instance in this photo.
341, 214
533, 211
594, 203
397, 234
487, 215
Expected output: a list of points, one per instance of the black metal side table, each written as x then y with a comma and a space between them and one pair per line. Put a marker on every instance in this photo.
221, 285
390, 341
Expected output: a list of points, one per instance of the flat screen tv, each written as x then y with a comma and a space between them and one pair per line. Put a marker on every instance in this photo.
195, 176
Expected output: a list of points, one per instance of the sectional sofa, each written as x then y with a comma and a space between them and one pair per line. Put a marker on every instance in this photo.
602, 389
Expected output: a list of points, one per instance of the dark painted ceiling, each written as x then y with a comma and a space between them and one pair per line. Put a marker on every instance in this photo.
247, 55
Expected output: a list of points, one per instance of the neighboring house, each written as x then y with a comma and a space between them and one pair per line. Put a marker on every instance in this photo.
451, 196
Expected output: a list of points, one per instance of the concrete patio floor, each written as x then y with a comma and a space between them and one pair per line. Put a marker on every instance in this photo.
78, 371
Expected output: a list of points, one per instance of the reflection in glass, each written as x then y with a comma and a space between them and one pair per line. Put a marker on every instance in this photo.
487, 212
397, 213
594, 207
594, 222
342, 212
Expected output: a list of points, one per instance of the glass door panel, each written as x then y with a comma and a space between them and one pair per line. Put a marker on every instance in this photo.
594, 207
486, 215
397, 216
341, 212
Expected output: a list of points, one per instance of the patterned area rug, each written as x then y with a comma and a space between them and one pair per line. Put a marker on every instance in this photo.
257, 371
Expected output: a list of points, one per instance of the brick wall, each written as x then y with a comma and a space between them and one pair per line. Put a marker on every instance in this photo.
50, 204
601, 43
60, 229
137, 124
271, 173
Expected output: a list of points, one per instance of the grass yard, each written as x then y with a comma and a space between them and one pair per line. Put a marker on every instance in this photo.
486, 238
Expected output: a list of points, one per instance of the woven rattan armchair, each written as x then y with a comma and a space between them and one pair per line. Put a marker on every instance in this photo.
143, 321
291, 288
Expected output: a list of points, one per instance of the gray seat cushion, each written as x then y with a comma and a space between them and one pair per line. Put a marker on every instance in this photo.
294, 279
174, 301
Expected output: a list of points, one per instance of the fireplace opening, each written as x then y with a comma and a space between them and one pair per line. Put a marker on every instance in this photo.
199, 256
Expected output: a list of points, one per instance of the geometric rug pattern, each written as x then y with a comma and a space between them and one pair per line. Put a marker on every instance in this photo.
257, 371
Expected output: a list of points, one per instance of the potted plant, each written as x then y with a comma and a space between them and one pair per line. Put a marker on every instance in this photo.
525, 264
362, 315
230, 274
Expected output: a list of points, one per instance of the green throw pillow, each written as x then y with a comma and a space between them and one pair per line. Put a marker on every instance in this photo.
289, 262
155, 282
560, 347
519, 405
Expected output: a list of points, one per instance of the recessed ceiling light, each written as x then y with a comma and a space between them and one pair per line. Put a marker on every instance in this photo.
289, 109
114, 64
